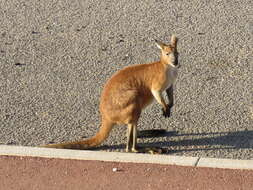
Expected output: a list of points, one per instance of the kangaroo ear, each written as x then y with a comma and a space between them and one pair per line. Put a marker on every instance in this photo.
159, 44
173, 41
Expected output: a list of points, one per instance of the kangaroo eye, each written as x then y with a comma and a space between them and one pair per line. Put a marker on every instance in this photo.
167, 53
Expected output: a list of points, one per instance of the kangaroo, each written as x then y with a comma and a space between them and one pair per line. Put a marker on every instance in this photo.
128, 92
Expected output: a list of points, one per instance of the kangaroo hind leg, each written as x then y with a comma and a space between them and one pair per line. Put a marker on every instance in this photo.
131, 138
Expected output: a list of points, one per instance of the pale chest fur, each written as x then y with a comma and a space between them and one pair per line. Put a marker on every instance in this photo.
171, 75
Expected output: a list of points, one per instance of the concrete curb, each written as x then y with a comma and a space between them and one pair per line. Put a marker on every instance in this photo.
225, 163
124, 157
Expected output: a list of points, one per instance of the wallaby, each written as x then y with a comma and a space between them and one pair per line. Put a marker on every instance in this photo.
128, 92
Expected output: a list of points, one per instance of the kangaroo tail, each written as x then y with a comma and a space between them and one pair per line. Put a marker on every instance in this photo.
94, 141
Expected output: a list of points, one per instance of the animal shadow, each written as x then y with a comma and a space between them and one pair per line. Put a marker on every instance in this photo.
224, 140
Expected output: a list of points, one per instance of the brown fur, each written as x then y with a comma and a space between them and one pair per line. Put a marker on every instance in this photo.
128, 92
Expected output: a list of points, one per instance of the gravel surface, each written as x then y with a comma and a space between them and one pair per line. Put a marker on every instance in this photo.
56, 55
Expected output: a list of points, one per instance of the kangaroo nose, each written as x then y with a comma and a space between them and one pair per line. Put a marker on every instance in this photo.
176, 62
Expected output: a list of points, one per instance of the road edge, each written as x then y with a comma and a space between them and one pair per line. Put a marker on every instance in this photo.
7, 150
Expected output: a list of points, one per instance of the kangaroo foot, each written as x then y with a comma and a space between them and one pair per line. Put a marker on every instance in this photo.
149, 150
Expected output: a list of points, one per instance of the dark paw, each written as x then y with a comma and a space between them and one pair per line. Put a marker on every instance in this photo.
166, 113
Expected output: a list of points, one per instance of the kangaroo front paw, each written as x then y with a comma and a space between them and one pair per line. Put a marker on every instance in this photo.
167, 112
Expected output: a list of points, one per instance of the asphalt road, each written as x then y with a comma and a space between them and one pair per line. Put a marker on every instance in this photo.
54, 174
56, 55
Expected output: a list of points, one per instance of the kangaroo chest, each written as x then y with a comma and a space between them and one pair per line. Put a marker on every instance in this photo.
171, 75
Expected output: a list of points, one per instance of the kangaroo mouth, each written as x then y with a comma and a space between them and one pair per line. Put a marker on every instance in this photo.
176, 64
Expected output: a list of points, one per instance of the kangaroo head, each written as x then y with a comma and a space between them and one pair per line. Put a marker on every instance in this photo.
169, 54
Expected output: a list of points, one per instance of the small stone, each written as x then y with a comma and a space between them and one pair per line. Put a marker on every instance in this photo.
34, 32
114, 169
